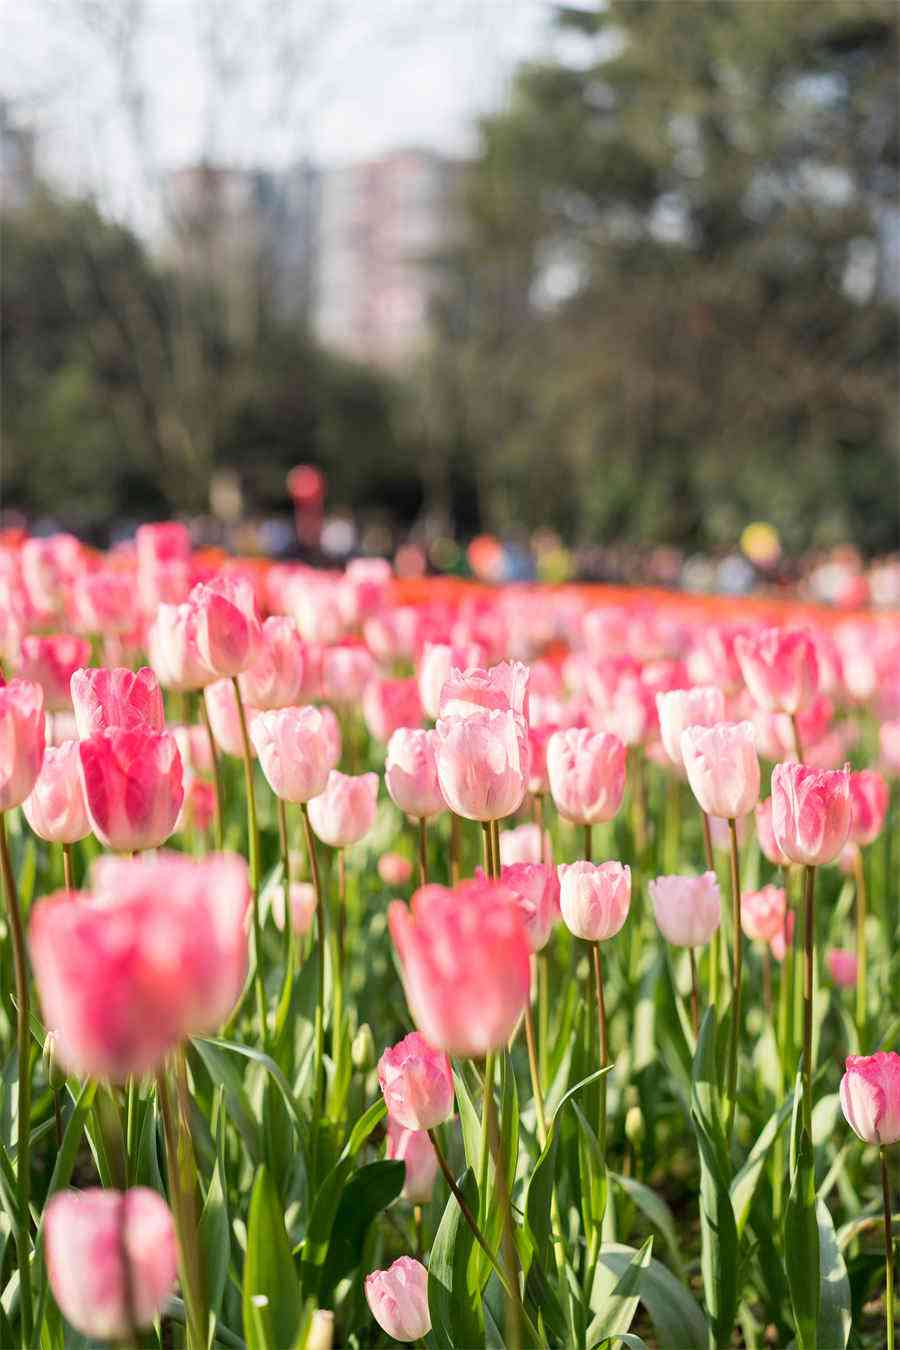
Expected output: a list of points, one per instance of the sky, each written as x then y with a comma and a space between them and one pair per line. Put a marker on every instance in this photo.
252, 82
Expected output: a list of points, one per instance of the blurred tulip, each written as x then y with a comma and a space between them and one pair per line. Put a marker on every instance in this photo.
394, 869
889, 745
702, 706
870, 1096
525, 844
435, 664
762, 913
55, 808
688, 910
51, 662
275, 676
229, 633
415, 1150
49, 568
869, 799
842, 967
346, 670
410, 773
116, 699
388, 705
587, 775
225, 719
779, 667
133, 786
720, 832
417, 1083
345, 811
536, 889
294, 751
782, 940
722, 768
398, 1299
21, 740
173, 651
303, 906
363, 589
810, 812
594, 900
104, 602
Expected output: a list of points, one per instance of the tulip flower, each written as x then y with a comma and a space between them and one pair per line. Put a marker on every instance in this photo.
435, 664
275, 676
294, 751
51, 662
344, 812
363, 589
869, 801
49, 568
482, 764
702, 706
398, 1299
503, 688
21, 740
410, 773
163, 564
55, 808
594, 899
116, 699
104, 602
842, 967
722, 767
394, 634
780, 944
687, 909
394, 869
347, 669
388, 705
111, 1259
229, 633
766, 835
173, 650
417, 1083
811, 812
587, 775
536, 889
779, 667
525, 844
225, 718
762, 913
415, 1150
302, 903
133, 786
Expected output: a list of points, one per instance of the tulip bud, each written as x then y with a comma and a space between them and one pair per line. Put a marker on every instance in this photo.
410, 773
417, 1083
294, 751
722, 767
811, 812
870, 1096
482, 764
398, 1299
688, 910
702, 706
587, 774
55, 808
228, 630
779, 667
116, 699
22, 740
345, 812
133, 787
362, 1050
415, 1150
594, 899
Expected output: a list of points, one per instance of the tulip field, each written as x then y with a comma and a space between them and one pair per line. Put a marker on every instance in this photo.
433, 963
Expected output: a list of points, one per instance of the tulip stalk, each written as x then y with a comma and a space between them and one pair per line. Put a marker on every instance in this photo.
695, 1000
737, 939
515, 1311
423, 851
218, 795
890, 1320
23, 1106
176, 1133
253, 859
604, 1041
809, 938
320, 949
714, 941
68, 881
281, 807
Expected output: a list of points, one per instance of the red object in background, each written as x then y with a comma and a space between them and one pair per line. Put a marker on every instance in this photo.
307, 488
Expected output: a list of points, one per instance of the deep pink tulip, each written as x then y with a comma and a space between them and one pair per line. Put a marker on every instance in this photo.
702, 706
410, 773
398, 1299
762, 913
345, 811
173, 651
810, 812
21, 740
294, 751
55, 807
843, 967
51, 662
482, 764
779, 667
417, 1083
394, 869
435, 664
538, 740
225, 719
722, 767
133, 786
163, 563
869, 799
363, 589
116, 699
688, 910
104, 602
415, 1150
465, 962
587, 774
346, 670
525, 844
389, 705
228, 630
766, 835
870, 1096
111, 1259
594, 899
275, 677
536, 888
502, 688
49, 568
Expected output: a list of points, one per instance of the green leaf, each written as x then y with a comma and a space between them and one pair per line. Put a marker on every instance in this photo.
367, 1193
718, 1230
457, 1316
801, 1240
469, 1122
268, 1271
321, 1221
743, 1187
215, 1229
364, 1127
225, 1075
249, 1052
679, 1322
835, 1314
654, 1208
592, 1167
620, 1304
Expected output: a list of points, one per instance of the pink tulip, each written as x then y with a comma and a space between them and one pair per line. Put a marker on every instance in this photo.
722, 768
766, 835
779, 667
51, 662
842, 967
435, 664
332, 732
702, 706
225, 719
465, 962
229, 633
630, 711
482, 764
303, 906
116, 699
346, 670
869, 800
415, 1150
55, 808
163, 564
394, 634
594, 899
417, 1083
889, 745
587, 774
104, 602
363, 589
688, 910
398, 1299
275, 677
810, 812
389, 705
173, 651
720, 832
111, 1259
870, 1096
525, 844
714, 660
199, 807
538, 740
536, 889
345, 811
294, 751
193, 747
394, 869
133, 786
783, 938
503, 688
410, 773
21, 740
49, 567
762, 913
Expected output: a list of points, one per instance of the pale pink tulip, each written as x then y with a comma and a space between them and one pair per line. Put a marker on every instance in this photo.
294, 751
538, 740
389, 705
870, 1096
762, 913
779, 667
346, 670
394, 869
104, 602
133, 786
502, 688
435, 664
536, 888
722, 767
49, 568
720, 832
51, 662
55, 808
332, 731
345, 811
587, 774
363, 589
810, 812
21, 740
228, 630
688, 910
714, 659
303, 906
275, 676
843, 967
702, 706
225, 718
111, 1259
398, 1299
869, 799
766, 835
482, 764
594, 899
525, 844
410, 773
394, 634
415, 1150
116, 699
417, 1083
173, 651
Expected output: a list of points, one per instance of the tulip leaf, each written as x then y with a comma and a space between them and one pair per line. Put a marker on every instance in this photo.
364, 1127
674, 1312
224, 1074
271, 1297
719, 1238
592, 1168
835, 1314
215, 1229
743, 1187
249, 1052
469, 1122
801, 1239
456, 1310
370, 1190
620, 1304
654, 1208
314, 1247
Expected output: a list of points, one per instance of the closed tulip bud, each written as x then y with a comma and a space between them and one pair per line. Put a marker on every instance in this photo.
362, 1050
390, 704
275, 677
173, 651
722, 767
688, 910
415, 1150
594, 899
766, 835
116, 699
502, 688
783, 938
21, 740
842, 967
347, 669
587, 774
303, 906
225, 718
49, 568
762, 913
394, 869
410, 773
465, 963
345, 812
634, 1126
104, 602
228, 630
133, 787
810, 812
51, 663
55, 808
779, 667
417, 1083
55, 1075
398, 1299
435, 664
870, 1096
889, 746
525, 844
111, 1259
702, 706
869, 799
536, 888
294, 752
482, 764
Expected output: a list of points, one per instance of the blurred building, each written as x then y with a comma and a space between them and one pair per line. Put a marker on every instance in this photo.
382, 226
18, 178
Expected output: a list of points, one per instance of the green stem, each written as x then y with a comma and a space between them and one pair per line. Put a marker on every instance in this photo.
798, 744
218, 794
320, 949
466, 1212
182, 1213
543, 964
495, 848
68, 881
454, 848
859, 872
737, 940
423, 852
253, 851
535, 1076
515, 1312
809, 935
604, 1043
487, 850
715, 959
288, 931
23, 1106
890, 1319
695, 1000
588, 843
